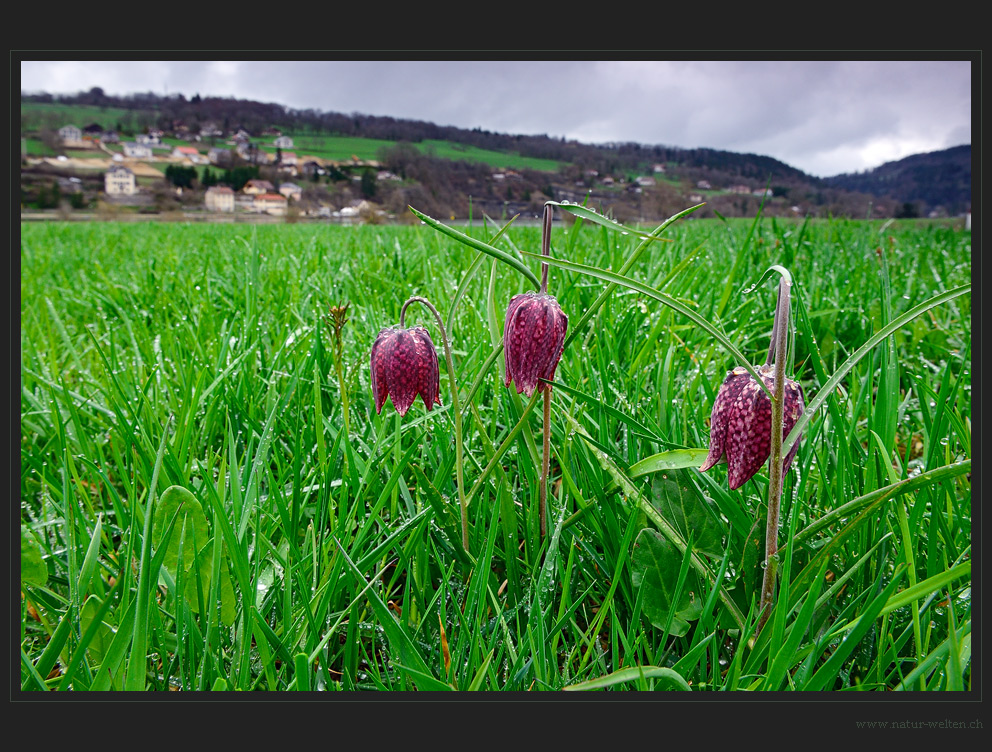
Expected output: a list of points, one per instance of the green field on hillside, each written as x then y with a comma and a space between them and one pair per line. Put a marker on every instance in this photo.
343, 148
36, 114
209, 499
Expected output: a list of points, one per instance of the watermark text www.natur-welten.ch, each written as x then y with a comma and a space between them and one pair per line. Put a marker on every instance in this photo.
945, 723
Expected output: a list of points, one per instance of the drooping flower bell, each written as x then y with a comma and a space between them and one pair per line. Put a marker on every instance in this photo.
741, 424
533, 340
404, 364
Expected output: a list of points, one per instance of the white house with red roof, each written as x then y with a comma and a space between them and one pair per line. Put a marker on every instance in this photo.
189, 152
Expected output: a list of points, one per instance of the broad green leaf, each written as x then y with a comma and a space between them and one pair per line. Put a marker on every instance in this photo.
752, 557
671, 460
191, 525
105, 633
204, 560
34, 570
655, 563
680, 503
667, 679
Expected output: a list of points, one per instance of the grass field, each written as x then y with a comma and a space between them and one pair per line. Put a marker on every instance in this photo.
343, 148
206, 504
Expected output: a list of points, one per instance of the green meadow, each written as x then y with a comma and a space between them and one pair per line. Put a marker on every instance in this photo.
209, 500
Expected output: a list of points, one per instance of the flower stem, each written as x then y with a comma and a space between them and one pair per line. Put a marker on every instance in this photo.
777, 349
455, 408
545, 462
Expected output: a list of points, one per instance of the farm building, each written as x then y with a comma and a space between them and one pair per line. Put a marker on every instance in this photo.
283, 142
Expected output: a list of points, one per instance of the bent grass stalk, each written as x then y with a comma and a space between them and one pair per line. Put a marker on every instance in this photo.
455, 408
546, 456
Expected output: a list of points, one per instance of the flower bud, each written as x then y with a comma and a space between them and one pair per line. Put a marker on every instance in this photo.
533, 340
741, 424
404, 364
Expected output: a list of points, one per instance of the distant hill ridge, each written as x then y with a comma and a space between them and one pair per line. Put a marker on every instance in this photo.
937, 182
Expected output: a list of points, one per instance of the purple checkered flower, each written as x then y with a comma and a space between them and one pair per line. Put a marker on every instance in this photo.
533, 340
404, 364
741, 424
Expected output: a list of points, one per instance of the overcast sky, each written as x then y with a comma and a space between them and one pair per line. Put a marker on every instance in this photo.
823, 117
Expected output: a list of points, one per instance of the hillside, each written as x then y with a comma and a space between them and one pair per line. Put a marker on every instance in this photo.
935, 179
451, 171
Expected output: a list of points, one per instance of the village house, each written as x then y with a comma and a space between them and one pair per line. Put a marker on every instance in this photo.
704, 185
219, 156
70, 135
258, 187
70, 185
209, 130
283, 142
312, 167
119, 181
742, 189
137, 151
291, 191
644, 181
220, 198
270, 203
148, 139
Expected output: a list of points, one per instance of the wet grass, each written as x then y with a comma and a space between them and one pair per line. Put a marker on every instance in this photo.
302, 556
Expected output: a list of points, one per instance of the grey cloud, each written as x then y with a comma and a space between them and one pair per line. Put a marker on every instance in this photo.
824, 117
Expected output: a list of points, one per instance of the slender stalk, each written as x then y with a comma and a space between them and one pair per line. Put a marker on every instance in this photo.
545, 462
546, 388
455, 409
777, 348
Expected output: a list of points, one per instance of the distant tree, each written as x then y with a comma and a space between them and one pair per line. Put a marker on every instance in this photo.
368, 185
49, 198
51, 140
908, 210
181, 177
236, 177
209, 178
